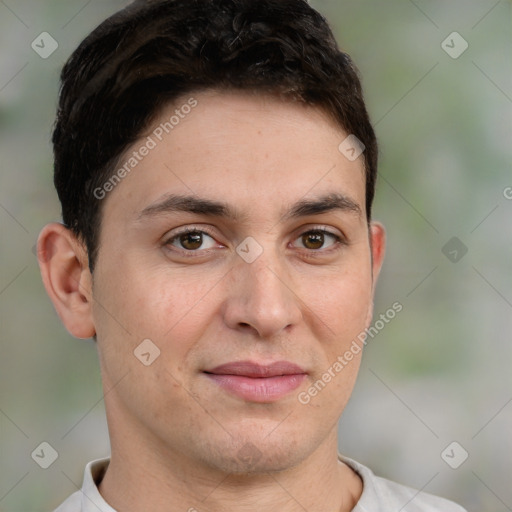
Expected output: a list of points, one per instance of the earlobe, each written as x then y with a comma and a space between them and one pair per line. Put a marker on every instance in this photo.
64, 269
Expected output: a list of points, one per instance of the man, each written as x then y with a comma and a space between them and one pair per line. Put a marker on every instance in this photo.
216, 168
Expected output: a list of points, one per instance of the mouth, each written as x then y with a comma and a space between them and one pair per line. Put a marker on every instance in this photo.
254, 382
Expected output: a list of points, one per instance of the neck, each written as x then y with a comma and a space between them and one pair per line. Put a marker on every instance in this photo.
148, 479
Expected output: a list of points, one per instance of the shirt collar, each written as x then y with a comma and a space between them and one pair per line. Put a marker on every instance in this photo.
92, 501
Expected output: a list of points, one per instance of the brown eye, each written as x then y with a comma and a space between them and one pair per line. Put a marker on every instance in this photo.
315, 239
191, 240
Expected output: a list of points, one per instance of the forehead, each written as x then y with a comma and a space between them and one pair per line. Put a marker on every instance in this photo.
252, 150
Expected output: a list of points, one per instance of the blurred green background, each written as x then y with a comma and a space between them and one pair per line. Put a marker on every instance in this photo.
439, 372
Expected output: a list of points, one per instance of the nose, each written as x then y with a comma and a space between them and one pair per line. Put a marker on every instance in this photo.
261, 298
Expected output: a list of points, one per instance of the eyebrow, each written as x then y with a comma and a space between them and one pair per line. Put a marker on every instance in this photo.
174, 203
322, 204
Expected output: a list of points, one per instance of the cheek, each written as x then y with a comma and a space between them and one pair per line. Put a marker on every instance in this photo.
171, 309
342, 306
342, 303
164, 309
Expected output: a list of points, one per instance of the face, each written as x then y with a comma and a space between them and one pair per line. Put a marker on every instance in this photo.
248, 301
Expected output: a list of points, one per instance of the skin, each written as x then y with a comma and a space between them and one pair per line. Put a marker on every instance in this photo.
176, 436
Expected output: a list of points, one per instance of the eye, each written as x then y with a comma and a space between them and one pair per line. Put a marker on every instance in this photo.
190, 240
315, 239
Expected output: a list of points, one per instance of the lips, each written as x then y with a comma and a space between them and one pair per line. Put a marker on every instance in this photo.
255, 382
255, 370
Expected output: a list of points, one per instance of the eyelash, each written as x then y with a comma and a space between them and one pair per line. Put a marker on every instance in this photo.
339, 241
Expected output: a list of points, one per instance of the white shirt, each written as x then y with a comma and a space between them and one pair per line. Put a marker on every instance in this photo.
379, 494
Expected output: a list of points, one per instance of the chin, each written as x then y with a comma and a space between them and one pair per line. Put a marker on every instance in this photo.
252, 455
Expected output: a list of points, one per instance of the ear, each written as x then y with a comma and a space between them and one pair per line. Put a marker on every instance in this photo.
65, 271
377, 235
378, 249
